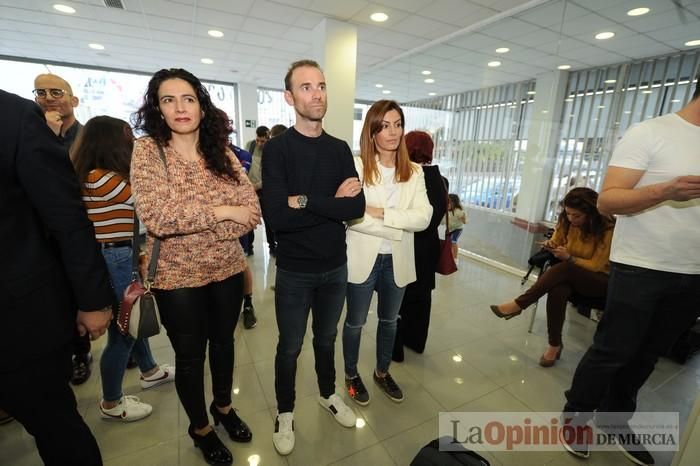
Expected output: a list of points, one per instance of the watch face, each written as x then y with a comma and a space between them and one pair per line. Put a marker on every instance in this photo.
302, 201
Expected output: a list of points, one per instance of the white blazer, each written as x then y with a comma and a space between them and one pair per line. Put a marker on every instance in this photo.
365, 235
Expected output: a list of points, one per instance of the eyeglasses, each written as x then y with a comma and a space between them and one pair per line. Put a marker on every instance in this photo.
55, 93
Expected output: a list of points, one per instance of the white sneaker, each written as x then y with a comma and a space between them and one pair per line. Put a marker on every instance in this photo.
283, 436
129, 409
165, 374
340, 411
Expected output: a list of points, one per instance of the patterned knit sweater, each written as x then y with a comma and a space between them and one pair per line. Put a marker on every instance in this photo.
177, 206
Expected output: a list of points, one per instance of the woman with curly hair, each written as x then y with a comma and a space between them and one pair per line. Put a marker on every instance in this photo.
192, 194
581, 241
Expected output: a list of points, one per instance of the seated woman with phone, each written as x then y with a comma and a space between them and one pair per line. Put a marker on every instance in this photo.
581, 241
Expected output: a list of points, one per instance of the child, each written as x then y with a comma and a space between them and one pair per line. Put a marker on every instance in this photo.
457, 218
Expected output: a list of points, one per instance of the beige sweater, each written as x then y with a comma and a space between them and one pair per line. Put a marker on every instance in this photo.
177, 206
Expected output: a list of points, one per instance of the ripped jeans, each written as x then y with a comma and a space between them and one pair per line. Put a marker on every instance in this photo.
359, 296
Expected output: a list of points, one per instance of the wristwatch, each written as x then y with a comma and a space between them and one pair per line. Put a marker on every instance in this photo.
302, 200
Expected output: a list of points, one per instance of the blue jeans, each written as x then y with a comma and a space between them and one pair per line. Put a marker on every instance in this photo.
295, 294
381, 280
116, 354
646, 312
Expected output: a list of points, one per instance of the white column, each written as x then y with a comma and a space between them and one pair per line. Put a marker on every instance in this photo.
335, 49
542, 145
247, 110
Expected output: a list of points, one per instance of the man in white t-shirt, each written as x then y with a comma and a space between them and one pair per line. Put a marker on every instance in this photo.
653, 186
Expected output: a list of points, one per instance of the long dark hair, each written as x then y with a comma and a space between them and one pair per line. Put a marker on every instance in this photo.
368, 148
585, 200
214, 127
104, 142
455, 203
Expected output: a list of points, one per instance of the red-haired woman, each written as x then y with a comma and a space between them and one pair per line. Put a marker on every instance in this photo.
414, 315
380, 244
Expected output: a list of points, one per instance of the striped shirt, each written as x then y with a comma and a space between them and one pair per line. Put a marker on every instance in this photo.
110, 206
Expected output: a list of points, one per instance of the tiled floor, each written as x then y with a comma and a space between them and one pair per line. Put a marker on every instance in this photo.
497, 371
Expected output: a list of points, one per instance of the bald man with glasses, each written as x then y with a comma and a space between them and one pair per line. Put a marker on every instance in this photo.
55, 97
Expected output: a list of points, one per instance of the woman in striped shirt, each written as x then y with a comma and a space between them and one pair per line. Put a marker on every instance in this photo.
102, 158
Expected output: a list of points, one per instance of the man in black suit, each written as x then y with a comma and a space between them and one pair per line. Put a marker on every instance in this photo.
50, 267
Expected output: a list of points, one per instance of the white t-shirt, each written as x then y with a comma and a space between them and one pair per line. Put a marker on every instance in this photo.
666, 236
391, 190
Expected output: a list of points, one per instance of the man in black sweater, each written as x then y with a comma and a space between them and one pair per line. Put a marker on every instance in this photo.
310, 187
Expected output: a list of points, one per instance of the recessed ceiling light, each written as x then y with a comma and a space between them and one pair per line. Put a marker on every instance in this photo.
426, 72
530, 92
379, 17
386, 91
610, 81
604, 35
64, 8
564, 67
502, 50
215, 33
96, 46
638, 11
429, 80
379, 85
431, 93
692, 43
494, 64
207, 61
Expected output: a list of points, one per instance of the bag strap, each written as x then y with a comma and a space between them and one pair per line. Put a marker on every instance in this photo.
153, 264
447, 208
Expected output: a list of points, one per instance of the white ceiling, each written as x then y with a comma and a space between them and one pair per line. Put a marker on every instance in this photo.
455, 39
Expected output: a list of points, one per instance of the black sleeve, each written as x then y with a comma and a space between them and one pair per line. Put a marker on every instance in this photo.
437, 195
340, 208
47, 176
276, 211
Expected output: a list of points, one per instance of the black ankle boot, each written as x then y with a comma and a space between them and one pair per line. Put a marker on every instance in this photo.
234, 425
213, 450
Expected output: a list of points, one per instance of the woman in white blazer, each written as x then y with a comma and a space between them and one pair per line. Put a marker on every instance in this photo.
380, 244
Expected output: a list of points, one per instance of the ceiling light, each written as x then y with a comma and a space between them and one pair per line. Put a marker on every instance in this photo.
431, 93
604, 35
530, 92
429, 80
64, 8
379, 85
564, 67
215, 33
426, 72
386, 91
96, 46
638, 11
379, 17
494, 64
207, 61
692, 43
610, 81
502, 50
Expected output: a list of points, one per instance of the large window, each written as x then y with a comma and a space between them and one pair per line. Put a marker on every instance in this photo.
480, 140
101, 92
273, 109
601, 103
